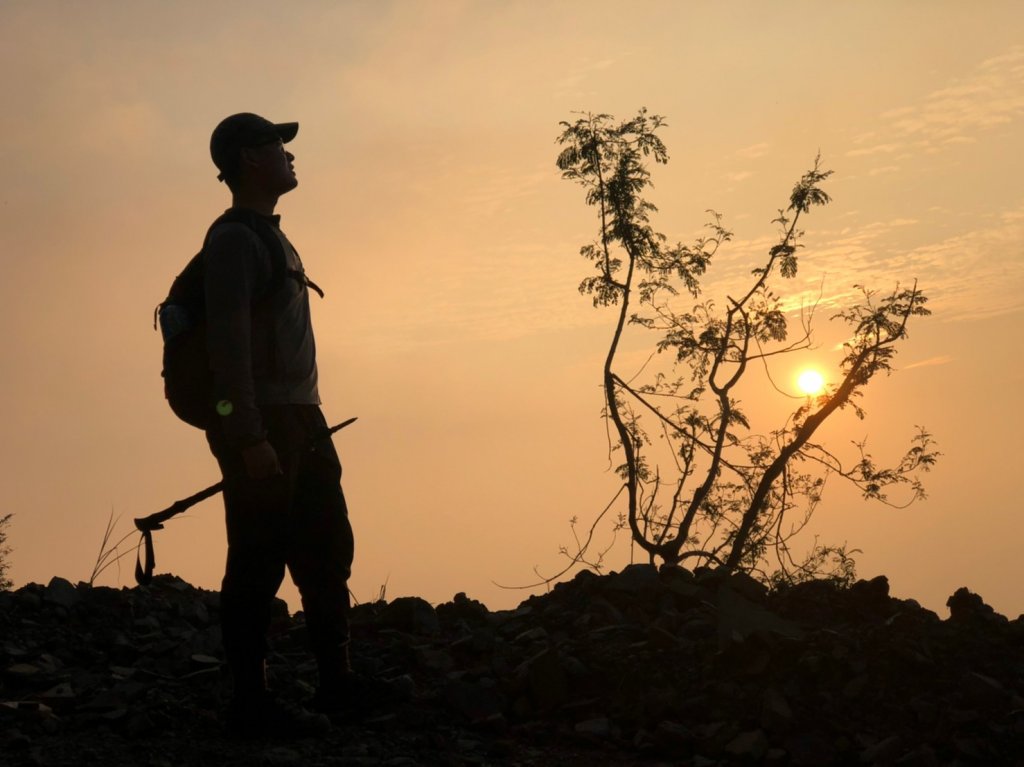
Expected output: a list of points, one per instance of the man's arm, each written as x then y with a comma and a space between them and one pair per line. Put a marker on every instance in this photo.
236, 267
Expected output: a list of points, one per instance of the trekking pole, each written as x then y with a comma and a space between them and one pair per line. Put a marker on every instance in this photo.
146, 525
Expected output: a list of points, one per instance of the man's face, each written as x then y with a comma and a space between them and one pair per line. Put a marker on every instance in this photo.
272, 167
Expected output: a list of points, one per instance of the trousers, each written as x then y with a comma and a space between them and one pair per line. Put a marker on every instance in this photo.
296, 521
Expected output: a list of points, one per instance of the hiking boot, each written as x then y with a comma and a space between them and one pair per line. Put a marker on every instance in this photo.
262, 716
353, 696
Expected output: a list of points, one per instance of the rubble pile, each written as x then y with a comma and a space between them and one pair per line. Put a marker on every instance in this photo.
641, 667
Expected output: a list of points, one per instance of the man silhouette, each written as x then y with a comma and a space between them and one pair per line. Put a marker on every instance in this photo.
283, 500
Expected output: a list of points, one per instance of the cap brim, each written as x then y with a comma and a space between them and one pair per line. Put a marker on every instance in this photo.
286, 131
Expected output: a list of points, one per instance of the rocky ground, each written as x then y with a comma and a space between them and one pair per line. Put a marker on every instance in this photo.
642, 667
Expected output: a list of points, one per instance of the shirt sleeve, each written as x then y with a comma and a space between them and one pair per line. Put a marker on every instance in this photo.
235, 267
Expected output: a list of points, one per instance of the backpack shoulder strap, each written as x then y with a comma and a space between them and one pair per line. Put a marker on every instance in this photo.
272, 240
188, 285
267, 235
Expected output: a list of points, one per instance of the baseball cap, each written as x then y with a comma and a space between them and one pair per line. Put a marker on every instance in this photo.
242, 130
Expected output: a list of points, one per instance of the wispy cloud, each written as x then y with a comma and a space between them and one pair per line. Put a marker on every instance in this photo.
877, 149
739, 175
504, 292
582, 70
754, 150
944, 359
970, 275
491, 189
974, 274
991, 96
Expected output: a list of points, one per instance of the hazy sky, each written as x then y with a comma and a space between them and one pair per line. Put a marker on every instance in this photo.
430, 210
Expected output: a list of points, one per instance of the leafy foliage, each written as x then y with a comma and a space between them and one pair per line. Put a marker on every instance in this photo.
706, 487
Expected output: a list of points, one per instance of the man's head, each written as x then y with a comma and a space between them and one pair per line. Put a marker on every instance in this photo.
248, 147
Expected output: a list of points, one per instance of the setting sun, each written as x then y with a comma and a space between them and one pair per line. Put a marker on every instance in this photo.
810, 382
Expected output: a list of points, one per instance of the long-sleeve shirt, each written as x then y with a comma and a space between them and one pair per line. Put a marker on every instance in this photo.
260, 345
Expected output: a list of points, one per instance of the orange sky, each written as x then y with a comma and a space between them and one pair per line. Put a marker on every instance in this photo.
430, 210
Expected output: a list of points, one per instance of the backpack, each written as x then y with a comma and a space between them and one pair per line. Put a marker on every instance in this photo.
188, 380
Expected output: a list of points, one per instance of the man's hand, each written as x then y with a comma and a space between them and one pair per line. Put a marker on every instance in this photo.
261, 460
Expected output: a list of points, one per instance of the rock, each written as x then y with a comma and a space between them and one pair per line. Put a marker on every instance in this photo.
16, 740
536, 634
545, 679
873, 592
282, 756
884, 751
681, 583
25, 709
684, 668
28, 598
634, 579
464, 609
139, 725
967, 607
61, 592
22, 671
673, 735
810, 749
147, 624
738, 618
922, 756
48, 664
747, 587
59, 694
412, 615
983, 691
476, 701
751, 745
776, 714
198, 613
600, 728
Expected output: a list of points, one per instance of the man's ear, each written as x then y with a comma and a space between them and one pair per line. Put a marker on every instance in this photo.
248, 156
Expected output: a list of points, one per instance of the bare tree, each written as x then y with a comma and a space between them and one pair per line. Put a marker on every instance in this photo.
700, 484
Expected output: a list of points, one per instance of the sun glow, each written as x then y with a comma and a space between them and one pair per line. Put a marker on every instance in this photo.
811, 382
